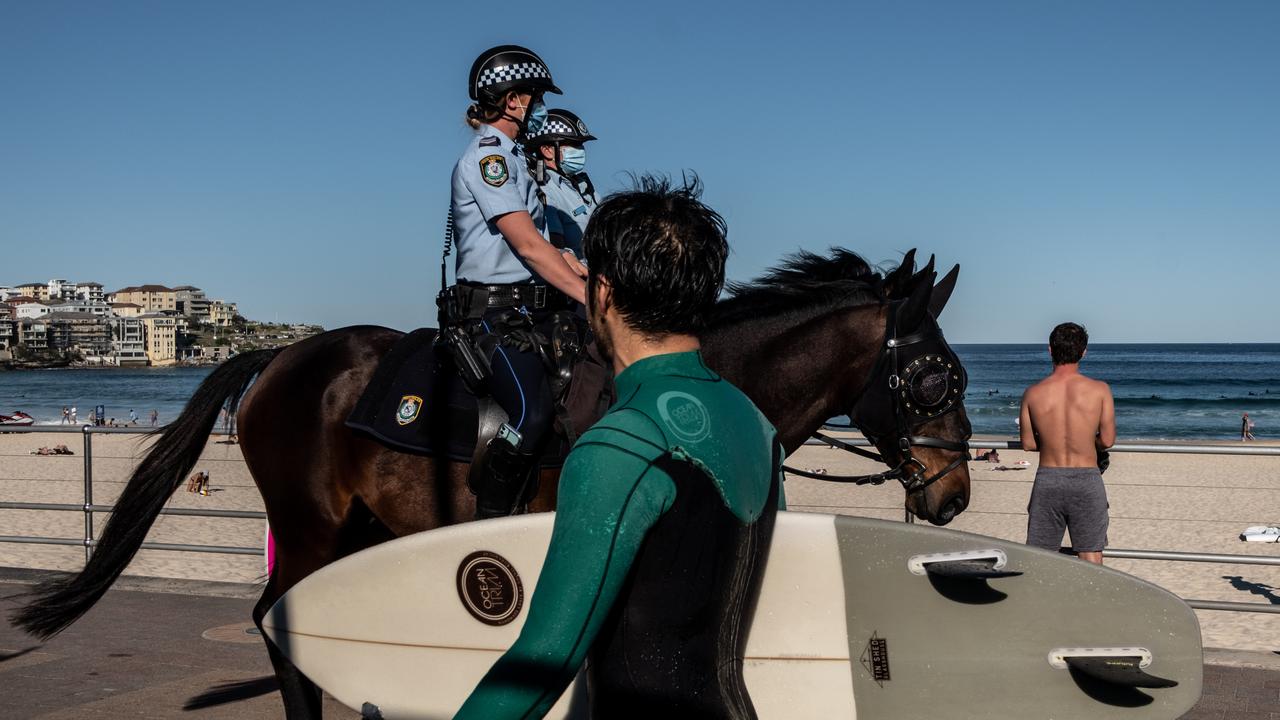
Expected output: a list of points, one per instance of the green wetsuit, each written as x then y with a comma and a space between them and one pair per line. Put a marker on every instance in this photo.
665, 512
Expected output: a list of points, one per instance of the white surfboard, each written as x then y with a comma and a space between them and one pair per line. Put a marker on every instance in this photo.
857, 618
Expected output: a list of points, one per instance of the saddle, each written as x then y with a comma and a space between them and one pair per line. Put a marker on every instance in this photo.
418, 403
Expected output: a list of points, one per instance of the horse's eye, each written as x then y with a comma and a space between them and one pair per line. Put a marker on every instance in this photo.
929, 385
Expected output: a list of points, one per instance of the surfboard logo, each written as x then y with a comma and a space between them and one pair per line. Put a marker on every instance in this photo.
490, 588
876, 659
685, 415
407, 412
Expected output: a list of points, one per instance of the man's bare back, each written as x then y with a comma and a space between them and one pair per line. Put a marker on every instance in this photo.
1067, 418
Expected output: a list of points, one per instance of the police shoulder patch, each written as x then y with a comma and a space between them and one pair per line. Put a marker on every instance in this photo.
489, 141
494, 170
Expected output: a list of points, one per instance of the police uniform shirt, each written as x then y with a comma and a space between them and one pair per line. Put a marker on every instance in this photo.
568, 210
489, 181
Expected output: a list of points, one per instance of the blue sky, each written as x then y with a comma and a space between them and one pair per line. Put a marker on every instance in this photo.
1116, 164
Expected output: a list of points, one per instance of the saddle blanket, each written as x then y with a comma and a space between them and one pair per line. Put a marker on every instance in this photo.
416, 403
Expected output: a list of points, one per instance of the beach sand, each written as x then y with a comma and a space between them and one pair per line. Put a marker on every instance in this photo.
1197, 503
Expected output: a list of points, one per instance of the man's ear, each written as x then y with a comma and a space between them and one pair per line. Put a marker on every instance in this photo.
602, 294
548, 152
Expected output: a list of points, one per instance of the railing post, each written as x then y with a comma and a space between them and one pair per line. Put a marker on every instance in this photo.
88, 491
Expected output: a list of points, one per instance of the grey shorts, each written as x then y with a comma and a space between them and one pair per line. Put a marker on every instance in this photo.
1068, 499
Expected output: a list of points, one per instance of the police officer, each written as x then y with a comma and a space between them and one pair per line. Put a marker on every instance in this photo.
510, 278
566, 187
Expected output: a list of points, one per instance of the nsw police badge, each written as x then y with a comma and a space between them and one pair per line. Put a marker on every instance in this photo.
407, 412
494, 170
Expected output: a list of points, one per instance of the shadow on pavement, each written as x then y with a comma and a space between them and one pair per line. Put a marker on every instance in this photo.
232, 692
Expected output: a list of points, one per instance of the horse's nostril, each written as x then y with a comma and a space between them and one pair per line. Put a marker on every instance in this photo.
951, 509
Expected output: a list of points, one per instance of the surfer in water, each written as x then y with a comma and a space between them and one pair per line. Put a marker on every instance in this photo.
666, 505
1070, 420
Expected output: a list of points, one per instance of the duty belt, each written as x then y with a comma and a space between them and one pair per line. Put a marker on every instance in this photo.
533, 297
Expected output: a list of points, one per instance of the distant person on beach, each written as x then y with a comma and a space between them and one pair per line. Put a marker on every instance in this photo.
66, 415
1070, 420
73, 414
155, 418
133, 417
1246, 428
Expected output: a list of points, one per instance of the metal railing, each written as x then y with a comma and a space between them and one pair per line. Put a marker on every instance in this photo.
1148, 447
89, 508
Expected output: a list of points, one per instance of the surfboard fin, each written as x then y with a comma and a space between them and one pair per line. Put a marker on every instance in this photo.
1124, 671
973, 569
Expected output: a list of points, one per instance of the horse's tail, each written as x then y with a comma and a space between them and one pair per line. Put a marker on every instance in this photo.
55, 604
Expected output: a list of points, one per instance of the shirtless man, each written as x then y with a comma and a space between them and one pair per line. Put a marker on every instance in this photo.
1070, 420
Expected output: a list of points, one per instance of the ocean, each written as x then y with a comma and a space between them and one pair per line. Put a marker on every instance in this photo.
1163, 392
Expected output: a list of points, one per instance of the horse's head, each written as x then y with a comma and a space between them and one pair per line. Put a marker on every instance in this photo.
912, 404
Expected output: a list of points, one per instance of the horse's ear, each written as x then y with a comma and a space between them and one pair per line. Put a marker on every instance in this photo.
942, 292
898, 282
916, 306
926, 273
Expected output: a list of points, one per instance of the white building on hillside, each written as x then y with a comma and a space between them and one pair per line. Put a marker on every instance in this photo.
90, 291
30, 310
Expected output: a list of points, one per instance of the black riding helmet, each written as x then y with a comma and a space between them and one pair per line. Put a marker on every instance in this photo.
508, 67
561, 126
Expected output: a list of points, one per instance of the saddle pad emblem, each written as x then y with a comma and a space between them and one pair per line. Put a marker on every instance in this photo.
407, 412
494, 170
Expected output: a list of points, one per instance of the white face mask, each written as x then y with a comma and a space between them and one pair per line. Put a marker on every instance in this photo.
535, 116
573, 160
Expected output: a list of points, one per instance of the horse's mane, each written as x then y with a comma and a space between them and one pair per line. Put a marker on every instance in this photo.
805, 281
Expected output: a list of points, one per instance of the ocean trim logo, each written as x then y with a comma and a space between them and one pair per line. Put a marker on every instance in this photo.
876, 659
407, 411
490, 588
685, 415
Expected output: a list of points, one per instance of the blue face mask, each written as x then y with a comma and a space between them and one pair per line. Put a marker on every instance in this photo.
572, 160
535, 117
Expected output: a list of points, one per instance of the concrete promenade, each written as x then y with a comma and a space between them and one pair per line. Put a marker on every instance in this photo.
160, 648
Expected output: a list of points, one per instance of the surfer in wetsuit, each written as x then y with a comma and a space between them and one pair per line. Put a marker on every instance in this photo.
666, 505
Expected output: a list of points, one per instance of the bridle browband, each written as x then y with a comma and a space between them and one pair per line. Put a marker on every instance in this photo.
912, 407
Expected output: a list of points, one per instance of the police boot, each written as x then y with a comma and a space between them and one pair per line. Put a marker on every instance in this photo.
504, 481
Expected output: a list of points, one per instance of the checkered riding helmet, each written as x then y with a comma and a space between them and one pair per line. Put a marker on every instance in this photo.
561, 126
507, 67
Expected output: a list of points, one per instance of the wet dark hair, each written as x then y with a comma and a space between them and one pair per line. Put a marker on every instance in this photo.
1067, 343
662, 252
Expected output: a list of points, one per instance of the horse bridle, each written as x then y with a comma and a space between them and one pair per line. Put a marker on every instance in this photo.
931, 385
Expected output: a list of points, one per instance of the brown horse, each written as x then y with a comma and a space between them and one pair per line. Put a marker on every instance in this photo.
802, 342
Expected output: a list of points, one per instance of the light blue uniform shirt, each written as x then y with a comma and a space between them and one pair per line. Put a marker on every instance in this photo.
490, 180
568, 210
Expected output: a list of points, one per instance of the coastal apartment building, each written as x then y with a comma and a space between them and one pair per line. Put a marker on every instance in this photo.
37, 291
84, 332
32, 333
152, 298
192, 302
80, 306
26, 306
128, 341
90, 292
160, 335
6, 326
222, 313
